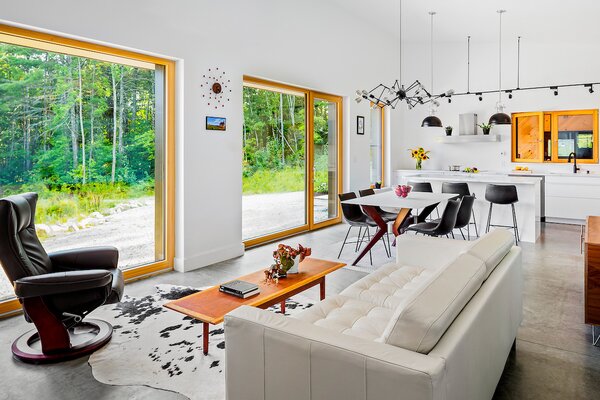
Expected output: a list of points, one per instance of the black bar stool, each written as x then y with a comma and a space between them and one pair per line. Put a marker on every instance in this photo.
502, 195
462, 189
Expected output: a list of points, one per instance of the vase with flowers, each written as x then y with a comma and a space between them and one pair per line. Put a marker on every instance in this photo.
419, 154
287, 258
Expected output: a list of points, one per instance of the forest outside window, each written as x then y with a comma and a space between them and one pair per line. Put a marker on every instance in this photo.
90, 131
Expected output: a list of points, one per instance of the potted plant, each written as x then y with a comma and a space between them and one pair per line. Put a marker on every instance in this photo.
485, 128
419, 154
287, 258
448, 131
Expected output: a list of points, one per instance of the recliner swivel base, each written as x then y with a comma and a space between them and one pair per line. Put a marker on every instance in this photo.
85, 338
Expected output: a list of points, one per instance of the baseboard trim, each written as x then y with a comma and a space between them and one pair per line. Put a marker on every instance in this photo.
207, 258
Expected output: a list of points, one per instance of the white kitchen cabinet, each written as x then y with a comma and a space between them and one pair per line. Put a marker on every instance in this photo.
572, 197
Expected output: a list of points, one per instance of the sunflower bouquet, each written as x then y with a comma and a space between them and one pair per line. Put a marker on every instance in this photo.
419, 154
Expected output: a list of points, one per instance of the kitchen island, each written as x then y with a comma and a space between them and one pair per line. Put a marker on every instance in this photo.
528, 208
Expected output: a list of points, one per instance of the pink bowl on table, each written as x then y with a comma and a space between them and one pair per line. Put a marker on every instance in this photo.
402, 190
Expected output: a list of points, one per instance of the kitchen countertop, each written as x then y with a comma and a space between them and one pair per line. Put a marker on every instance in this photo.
483, 177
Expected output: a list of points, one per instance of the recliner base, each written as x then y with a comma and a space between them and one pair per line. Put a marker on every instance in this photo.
85, 338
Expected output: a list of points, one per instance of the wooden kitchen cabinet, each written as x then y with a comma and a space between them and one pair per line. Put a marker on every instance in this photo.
592, 271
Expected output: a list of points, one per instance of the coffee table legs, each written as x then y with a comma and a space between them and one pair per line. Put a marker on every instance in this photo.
322, 288
283, 307
205, 338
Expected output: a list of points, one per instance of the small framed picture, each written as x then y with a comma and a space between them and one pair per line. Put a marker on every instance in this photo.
360, 125
216, 124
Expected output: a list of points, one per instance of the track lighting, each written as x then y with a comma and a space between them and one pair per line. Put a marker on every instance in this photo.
590, 86
480, 96
449, 100
555, 88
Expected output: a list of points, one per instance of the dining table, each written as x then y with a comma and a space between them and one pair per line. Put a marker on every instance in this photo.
389, 201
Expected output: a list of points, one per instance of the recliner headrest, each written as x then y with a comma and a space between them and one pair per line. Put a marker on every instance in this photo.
23, 206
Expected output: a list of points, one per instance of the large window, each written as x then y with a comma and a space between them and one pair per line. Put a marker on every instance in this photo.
292, 160
376, 144
90, 130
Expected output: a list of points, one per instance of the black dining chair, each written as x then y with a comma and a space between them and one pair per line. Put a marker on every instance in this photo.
462, 189
353, 216
442, 227
424, 187
503, 195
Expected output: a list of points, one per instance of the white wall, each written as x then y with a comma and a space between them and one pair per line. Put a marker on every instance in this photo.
307, 43
542, 63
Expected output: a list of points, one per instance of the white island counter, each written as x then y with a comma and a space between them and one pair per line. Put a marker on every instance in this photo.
528, 188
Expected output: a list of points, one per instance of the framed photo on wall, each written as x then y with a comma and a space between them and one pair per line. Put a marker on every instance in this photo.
360, 125
216, 124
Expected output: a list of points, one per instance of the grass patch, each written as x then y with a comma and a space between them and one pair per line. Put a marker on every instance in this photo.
281, 181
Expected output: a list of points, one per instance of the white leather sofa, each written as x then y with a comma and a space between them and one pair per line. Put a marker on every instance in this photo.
437, 324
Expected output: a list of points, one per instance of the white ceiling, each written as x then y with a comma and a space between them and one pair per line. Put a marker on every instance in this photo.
534, 20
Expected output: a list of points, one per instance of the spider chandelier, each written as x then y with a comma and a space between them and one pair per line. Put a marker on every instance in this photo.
413, 94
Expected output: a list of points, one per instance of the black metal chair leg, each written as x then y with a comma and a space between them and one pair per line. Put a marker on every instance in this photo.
468, 232
343, 244
475, 224
358, 239
389, 245
369, 239
461, 232
452, 233
385, 246
489, 220
516, 229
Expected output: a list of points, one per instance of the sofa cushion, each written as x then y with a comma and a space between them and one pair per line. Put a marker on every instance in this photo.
389, 286
348, 316
420, 324
492, 248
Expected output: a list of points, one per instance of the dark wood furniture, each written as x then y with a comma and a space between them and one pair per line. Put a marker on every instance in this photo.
210, 306
592, 274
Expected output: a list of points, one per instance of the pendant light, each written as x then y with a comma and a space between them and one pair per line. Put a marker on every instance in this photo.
500, 118
432, 121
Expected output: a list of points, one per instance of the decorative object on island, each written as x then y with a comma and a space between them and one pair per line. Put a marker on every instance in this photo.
448, 131
471, 170
419, 154
360, 125
216, 124
432, 121
217, 89
402, 190
485, 128
378, 185
287, 259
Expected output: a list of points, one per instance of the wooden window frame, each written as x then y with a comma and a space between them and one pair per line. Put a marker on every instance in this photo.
309, 97
554, 135
58, 44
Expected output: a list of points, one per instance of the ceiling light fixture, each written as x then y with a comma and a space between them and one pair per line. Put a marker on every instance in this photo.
500, 118
432, 121
413, 94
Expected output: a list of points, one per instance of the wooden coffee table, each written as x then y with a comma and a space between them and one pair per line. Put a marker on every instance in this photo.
211, 305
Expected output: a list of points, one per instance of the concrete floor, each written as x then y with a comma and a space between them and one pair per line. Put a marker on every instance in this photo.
554, 358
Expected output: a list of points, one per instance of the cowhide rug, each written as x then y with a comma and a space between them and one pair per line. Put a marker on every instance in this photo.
161, 348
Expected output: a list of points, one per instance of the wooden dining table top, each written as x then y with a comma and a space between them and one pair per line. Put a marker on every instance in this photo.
211, 305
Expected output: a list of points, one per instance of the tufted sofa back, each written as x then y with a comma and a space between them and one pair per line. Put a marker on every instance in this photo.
21, 253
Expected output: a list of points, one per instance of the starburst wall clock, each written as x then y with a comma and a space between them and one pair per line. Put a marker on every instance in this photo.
215, 87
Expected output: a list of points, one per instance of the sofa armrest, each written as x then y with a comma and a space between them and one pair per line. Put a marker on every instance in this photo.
271, 356
61, 282
105, 257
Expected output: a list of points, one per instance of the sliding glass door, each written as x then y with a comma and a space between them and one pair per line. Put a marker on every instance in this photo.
90, 130
291, 161
325, 152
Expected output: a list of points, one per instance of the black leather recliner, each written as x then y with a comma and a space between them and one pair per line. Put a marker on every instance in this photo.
56, 290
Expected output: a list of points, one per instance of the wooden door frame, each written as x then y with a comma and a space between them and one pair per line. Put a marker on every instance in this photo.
309, 96
54, 43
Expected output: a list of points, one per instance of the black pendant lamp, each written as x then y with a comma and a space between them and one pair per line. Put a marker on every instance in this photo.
432, 121
500, 118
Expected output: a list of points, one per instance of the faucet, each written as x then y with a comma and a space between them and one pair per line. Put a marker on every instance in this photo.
575, 167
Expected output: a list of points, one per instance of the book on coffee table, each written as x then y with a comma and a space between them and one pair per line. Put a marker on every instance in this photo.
240, 289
